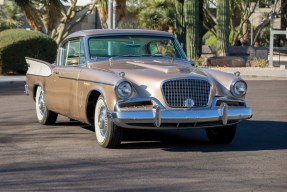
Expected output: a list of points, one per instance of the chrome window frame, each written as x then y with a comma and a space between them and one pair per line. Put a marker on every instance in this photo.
176, 44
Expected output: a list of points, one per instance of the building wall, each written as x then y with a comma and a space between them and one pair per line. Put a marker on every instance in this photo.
260, 13
90, 22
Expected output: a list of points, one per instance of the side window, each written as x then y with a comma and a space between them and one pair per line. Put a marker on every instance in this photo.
71, 53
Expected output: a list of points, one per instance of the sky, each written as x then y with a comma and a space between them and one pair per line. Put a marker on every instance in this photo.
83, 2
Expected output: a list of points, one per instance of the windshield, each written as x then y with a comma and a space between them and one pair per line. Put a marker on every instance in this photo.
133, 46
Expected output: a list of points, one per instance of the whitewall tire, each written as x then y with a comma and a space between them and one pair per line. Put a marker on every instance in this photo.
44, 116
107, 133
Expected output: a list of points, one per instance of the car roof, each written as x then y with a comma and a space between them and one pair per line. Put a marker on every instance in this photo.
117, 31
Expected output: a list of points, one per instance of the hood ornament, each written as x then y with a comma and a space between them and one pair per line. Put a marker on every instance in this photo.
237, 73
122, 74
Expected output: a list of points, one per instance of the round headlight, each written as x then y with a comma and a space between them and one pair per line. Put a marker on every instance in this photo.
124, 90
239, 88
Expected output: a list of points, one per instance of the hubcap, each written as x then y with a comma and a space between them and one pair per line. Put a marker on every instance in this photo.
41, 104
102, 121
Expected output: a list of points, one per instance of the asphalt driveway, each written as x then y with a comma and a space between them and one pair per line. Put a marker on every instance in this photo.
66, 157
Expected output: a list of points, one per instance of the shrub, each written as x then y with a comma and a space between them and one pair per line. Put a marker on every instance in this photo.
16, 44
211, 40
259, 63
200, 61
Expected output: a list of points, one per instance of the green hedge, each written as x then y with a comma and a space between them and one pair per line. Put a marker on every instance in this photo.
16, 44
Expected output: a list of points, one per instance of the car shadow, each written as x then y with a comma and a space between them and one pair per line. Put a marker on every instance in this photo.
251, 135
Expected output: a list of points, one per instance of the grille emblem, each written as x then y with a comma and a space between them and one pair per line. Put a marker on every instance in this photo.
189, 103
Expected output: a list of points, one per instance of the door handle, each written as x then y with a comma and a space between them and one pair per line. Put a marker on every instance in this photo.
55, 72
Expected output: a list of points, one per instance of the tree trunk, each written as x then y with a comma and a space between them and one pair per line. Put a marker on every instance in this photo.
121, 11
222, 27
32, 18
103, 13
192, 29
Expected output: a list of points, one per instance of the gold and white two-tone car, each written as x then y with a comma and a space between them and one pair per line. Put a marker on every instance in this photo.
115, 79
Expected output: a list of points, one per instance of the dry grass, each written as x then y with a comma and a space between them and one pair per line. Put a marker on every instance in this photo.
200, 61
259, 63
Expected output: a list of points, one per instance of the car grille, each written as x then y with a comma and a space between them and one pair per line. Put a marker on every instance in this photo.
177, 91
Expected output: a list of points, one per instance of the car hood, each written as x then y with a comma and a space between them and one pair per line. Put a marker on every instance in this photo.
150, 70
147, 75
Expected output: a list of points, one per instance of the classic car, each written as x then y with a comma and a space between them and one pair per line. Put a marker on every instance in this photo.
142, 79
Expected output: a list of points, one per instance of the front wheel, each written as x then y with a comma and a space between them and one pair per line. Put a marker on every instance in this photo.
108, 134
45, 117
221, 135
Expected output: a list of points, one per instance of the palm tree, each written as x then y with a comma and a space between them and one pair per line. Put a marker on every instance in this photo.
42, 15
157, 14
30, 13
10, 16
52, 17
120, 12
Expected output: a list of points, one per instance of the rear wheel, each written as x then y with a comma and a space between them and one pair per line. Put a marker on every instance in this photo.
221, 135
44, 116
108, 134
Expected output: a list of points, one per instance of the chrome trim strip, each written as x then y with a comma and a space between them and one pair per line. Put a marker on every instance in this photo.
99, 82
86, 80
135, 100
64, 77
225, 99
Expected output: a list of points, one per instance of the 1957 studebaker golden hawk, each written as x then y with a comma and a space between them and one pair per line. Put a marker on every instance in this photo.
115, 79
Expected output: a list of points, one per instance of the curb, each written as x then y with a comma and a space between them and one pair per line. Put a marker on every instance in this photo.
255, 73
10, 79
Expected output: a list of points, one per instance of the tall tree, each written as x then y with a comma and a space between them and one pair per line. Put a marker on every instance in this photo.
10, 16
53, 17
222, 31
120, 11
157, 14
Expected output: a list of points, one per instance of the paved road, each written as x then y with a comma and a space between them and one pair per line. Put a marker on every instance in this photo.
65, 157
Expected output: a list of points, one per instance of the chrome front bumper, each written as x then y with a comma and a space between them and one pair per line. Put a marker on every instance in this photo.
159, 117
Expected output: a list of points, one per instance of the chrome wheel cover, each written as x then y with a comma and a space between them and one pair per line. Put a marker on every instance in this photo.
102, 121
41, 103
